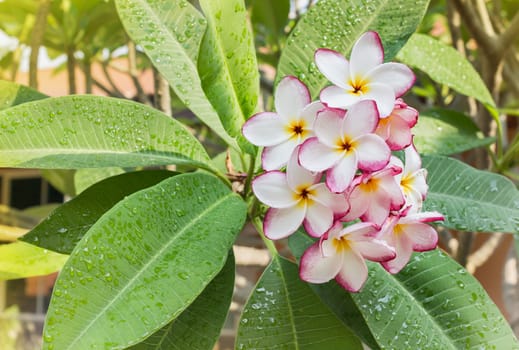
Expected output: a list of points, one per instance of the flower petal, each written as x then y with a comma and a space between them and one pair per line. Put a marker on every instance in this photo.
272, 189
353, 272
366, 54
383, 95
309, 113
265, 129
291, 97
328, 126
315, 268
339, 177
378, 209
399, 134
315, 156
318, 220
297, 176
276, 157
338, 97
404, 249
373, 153
359, 204
334, 66
281, 223
397, 75
375, 250
336, 202
413, 162
362, 118
422, 236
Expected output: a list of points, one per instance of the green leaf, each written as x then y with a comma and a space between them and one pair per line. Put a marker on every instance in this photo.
471, 199
170, 33
337, 24
283, 312
84, 178
14, 94
445, 132
61, 179
198, 326
93, 131
143, 262
21, 260
433, 303
269, 19
444, 65
228, 67
64, 227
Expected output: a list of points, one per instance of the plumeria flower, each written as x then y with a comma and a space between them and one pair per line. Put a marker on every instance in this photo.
297, 197
408, 231
413, 178
364, 76
345, 143
289, 126
374, 195
341, 253
396, 127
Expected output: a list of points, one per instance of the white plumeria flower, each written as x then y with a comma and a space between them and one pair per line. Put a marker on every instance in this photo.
297, 197
412, 180
372, 196
341, 255
396, 128
344, 144
408, 231
364, 76
289, 126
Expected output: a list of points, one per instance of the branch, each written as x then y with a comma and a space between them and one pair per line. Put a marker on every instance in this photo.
507, 38
480, 256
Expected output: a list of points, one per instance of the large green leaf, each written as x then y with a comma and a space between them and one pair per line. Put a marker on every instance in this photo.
471, 199
143, 262
64, 227
433, 303
284, 313
170, 33
21, 260
198, 326
337, 24
61, 179
227, 65
93, 131
444, 65
13, 94
84, 178
444, 131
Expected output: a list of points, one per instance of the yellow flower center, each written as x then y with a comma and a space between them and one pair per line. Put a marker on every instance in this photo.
341, 244
345, 145
407, 184
370, 186
303, 194
359, 86
297, 128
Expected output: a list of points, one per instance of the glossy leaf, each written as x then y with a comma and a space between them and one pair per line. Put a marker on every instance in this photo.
471, 199
21, 260
433, 303
269, 19
64, 227
227, 65
14, 94
84, 178
61, 179
198, 326
445, 132
93, 131
143, 262
170, 33
444, 65
284, 313
337, 24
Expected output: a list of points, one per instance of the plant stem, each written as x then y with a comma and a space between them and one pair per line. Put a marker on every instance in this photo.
250, 174
268, 243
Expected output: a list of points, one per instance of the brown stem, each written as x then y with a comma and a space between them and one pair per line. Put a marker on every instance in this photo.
162, 95
132, 69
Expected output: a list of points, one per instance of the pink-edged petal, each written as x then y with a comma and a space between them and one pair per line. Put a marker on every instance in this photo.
318, 220
276, 157
334, 66
360, 231
309, 113
272, 189
359, 204
336, 202
373, 153
418, 183
315, 156
291, 97
375, 250
353, 272
404, 249
328, 126
339, 177
265, 129
366, 54
397, 75
399, 134
297, 176
422, 236
427, 216
315, 268
413, 162
383, 95
378, 209
393, 191
407, 114
362, 118
281, 223
338, 97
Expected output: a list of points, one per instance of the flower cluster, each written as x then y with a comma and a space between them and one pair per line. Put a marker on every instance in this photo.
329, 166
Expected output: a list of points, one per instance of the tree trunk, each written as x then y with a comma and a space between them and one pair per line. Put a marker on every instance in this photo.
37, 34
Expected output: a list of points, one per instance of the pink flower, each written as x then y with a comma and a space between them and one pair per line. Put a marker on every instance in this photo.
345, 143
395, 128
341, 253
374, 195
282, 131
296, 198
408, 231
365, 76
412, 179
